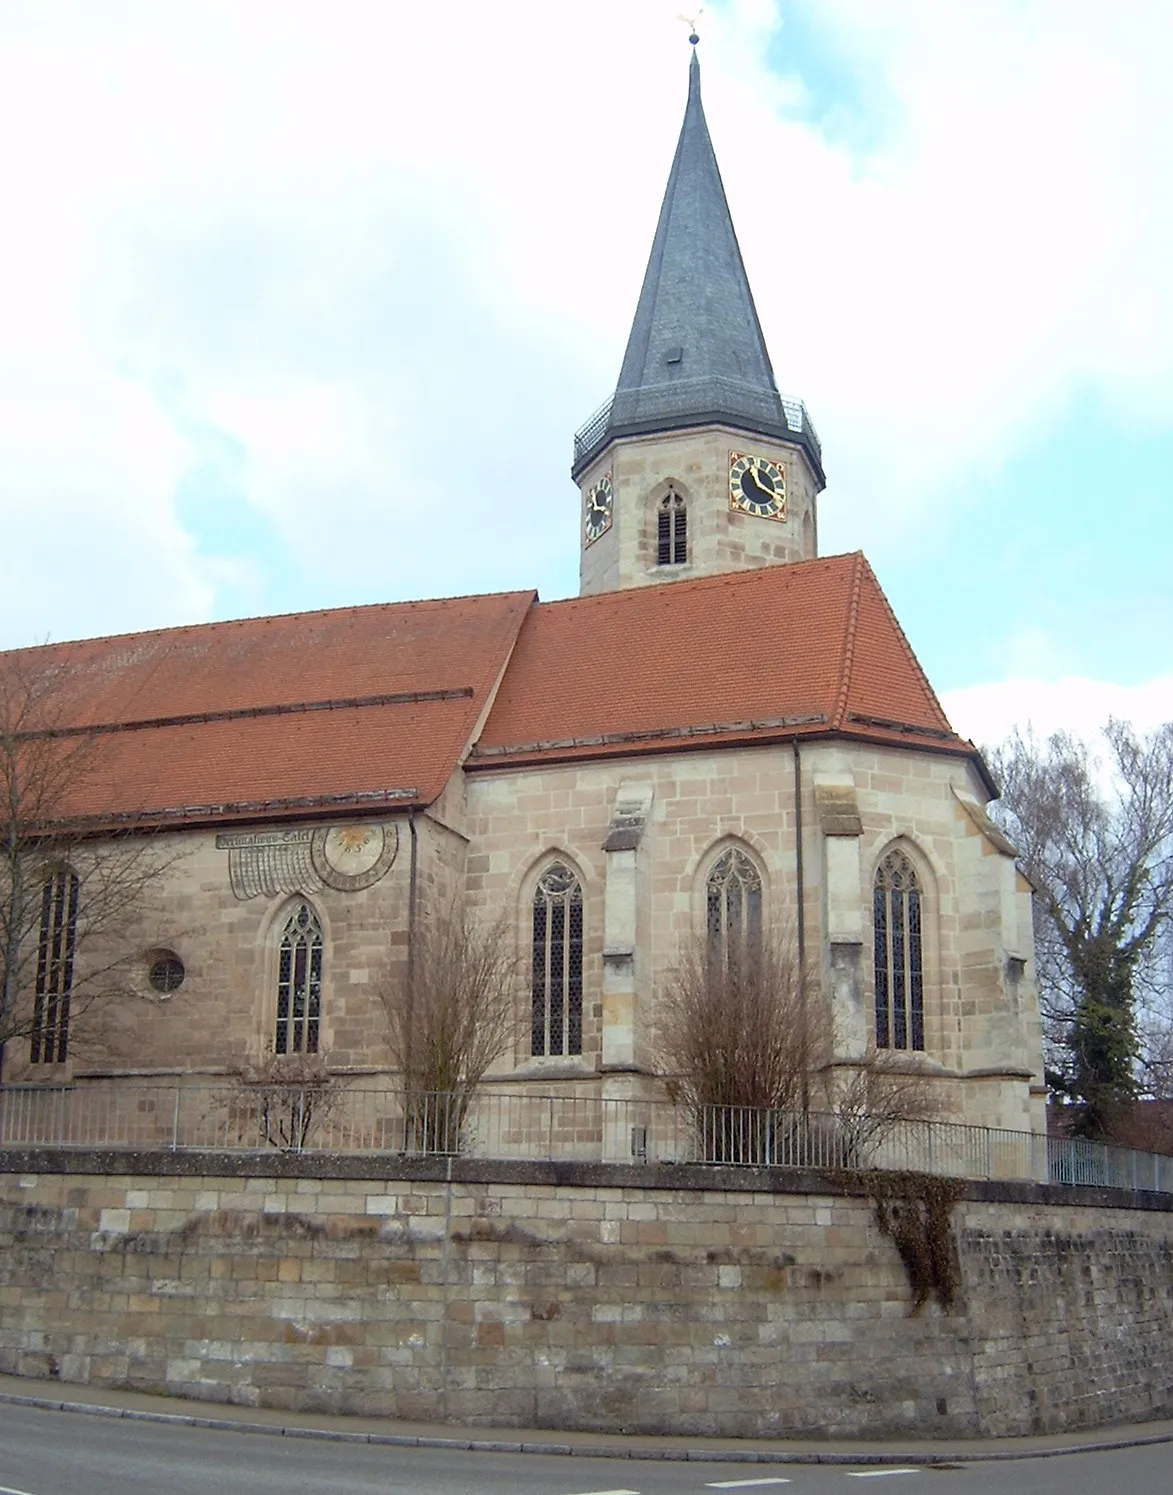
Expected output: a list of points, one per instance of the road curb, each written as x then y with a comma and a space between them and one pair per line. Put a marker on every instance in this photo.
671, 1453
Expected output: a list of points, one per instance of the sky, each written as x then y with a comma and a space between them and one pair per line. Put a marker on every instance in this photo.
301, 302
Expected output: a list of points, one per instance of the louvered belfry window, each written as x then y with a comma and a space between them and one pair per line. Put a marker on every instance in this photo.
733, 896
556, 984
672, 530
899, 955
299, 984
55, 955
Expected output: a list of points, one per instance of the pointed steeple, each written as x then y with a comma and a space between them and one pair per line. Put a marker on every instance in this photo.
695, 354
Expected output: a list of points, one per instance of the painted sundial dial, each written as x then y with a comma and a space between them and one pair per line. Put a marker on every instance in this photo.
351, 857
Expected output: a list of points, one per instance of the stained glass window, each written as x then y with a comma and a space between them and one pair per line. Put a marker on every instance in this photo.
556, 984
55, 956
299, 984
733, 905
898, 954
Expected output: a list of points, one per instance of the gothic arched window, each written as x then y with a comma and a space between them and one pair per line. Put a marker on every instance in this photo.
733, 905
56, 947
672, 530
897, 903
556, 983
299, 984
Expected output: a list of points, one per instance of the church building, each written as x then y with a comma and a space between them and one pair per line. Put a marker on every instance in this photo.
724, 731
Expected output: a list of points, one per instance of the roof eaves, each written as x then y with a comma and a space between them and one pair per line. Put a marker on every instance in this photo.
652, 734
900, 735
167, 817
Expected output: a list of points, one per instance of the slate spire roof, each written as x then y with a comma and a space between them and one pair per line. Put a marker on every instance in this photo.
696, 352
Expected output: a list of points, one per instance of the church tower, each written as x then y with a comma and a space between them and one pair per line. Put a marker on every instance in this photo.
696, 465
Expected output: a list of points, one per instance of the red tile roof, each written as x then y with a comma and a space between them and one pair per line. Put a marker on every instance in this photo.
269, 716
782, 651
328, 712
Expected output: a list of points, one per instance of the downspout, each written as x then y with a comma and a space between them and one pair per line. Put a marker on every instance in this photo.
412, 901
800, 884
798, 859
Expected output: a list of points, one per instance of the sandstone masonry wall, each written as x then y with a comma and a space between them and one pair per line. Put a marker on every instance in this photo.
591, 1296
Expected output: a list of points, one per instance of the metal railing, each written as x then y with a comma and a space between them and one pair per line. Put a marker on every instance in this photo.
341, 1117
714, 395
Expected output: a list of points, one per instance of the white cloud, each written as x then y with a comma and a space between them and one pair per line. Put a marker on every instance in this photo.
390, 253
987, 714
996, 253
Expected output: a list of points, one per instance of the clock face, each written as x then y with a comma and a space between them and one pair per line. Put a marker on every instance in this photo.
597, 513
757, 486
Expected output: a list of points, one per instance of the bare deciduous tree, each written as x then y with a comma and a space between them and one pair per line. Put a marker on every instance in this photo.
745, 1042
73, 888
1095, 837
451, 1012
735, 1028
736, 1039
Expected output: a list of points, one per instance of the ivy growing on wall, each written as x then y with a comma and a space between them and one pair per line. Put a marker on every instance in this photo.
915, 1211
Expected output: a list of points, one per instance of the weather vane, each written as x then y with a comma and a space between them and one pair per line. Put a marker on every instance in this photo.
691, 22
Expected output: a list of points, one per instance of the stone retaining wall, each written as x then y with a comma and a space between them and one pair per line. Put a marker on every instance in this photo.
657, 1300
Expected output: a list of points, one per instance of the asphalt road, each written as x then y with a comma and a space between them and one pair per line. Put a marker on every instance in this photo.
65, 1453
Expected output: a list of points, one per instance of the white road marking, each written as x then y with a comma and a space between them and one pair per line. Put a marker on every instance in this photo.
877, 1473
7, 1490
744, 1484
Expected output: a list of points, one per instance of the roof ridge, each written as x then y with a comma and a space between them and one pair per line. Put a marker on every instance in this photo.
178, 629
903, 637
700, 583
847, 659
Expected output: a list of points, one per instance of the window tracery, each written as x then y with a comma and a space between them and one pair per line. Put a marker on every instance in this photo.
733, 902
897, 911
56, 949
299, 984
556, 981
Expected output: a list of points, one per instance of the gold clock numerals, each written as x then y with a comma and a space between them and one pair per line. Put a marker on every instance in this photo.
598, 503
756, 486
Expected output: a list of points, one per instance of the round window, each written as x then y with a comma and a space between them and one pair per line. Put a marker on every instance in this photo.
166, 971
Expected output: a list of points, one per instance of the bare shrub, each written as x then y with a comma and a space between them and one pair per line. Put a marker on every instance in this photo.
451, 1013
744, 1044
283, 1098
872, 1099
738, 1044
